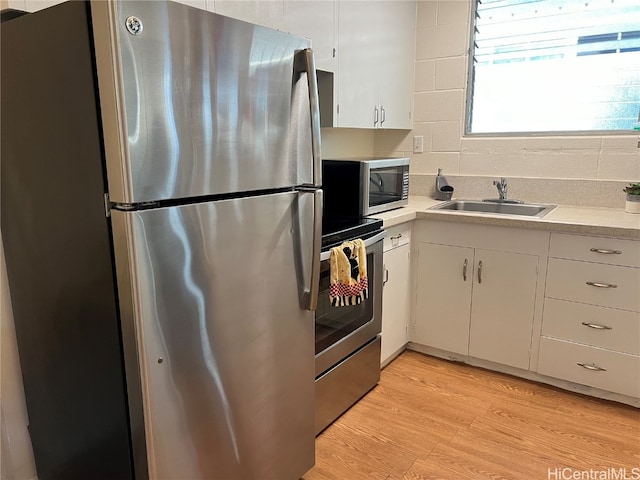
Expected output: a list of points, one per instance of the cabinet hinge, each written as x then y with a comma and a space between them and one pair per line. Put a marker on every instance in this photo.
338, 108
334, 53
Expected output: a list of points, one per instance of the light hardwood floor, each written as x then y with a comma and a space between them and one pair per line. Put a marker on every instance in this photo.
433, 419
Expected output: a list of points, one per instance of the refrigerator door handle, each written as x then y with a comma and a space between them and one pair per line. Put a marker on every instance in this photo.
314, 110
311, 292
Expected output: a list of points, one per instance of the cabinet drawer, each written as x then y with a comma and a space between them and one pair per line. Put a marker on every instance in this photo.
598, 326
397, 236
620, 372
612, 251
594, 283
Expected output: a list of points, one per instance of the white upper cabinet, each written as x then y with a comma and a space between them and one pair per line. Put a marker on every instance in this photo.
36, 5
368, 46
201, 4
265, 13
397, 68
357, 76
32, 5
314, 20
376, 51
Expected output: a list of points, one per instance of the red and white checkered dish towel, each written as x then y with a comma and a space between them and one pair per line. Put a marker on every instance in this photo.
349, 283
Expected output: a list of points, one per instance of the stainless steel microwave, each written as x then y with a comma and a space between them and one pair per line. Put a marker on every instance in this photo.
362, 187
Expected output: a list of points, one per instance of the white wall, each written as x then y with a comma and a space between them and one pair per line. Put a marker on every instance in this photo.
347, 142
16, 456
442, 43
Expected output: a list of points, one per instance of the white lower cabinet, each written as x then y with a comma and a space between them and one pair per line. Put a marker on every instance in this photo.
596, 367
476, 291
476, 302
564, 307
396, 292
502, 307
591, 323
443, 297
604, 327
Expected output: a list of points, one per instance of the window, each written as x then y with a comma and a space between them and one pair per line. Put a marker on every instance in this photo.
555, 66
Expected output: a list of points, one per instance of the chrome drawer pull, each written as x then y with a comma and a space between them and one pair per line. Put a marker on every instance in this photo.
596, 326
592, 366
397, 237
464, 270
606, 252
480, 271
602, 285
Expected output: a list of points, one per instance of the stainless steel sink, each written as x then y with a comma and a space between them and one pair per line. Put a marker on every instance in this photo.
499, 208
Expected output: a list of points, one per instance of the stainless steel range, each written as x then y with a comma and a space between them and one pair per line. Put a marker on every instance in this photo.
347, 338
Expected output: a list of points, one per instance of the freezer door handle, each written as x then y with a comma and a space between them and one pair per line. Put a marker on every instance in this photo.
311, 292
308, 65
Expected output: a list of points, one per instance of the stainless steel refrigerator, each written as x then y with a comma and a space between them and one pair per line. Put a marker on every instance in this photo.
161, 210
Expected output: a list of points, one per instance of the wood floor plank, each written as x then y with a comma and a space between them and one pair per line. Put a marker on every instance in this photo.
448, 406
344, 453
412, 433
518, 452
434, 419
601, 438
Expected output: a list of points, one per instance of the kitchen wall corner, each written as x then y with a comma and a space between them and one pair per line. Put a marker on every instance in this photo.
573, 167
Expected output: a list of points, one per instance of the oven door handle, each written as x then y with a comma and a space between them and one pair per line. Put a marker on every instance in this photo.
367, 243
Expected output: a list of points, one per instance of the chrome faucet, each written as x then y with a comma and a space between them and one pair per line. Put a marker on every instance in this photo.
502, 188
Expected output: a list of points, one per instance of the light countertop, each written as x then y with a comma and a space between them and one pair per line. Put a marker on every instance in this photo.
612, 222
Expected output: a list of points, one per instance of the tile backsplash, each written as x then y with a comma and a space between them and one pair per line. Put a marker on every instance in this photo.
588, 193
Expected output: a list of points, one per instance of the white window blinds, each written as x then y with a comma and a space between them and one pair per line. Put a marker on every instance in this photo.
555, 65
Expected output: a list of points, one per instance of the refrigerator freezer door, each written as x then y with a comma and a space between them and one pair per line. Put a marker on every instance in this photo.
224, 348
194, 103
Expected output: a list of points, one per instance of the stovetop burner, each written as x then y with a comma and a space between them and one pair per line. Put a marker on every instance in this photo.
336, 230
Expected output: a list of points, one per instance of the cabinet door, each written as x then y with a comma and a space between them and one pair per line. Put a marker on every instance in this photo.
33, 5
502, 309
201, 4
267, 14
315, 20
376, 55
358, 59
396, 67
395, 301
443, 297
